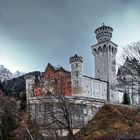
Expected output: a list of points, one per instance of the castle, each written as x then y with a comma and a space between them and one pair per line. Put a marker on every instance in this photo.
58, 91
74, 83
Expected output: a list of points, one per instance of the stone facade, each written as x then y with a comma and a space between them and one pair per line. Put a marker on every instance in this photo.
94, 88
81, 109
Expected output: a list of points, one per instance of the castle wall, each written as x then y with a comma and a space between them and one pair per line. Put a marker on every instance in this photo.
94, 88
81, 109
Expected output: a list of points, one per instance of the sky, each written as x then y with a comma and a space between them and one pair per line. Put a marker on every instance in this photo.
34, 33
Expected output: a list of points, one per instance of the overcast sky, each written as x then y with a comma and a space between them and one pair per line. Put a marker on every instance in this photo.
35, 32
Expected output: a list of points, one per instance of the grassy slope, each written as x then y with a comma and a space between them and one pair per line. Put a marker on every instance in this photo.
110, 120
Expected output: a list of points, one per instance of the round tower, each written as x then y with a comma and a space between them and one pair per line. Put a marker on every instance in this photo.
103, 33
76, 63
30, 81
105, 57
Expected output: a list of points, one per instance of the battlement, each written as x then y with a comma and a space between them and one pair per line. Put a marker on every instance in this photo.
103, 33
104, 47
76, 58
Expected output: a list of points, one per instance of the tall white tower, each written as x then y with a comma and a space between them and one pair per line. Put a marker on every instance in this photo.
30, 81
76, 63
105, 58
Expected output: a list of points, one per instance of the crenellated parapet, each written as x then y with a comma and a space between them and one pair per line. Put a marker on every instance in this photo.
76, 58
103, 33
111, 48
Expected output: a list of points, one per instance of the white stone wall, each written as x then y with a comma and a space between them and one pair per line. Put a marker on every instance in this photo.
82, 110
138, 99
120, 93
94, 88
101, 61
105, 65
87, 87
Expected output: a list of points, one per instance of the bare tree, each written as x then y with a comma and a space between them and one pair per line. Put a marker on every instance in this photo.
58, 116
129, 73
8, 116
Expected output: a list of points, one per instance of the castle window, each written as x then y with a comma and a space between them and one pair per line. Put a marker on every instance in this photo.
77, 83
77, 74
76, 65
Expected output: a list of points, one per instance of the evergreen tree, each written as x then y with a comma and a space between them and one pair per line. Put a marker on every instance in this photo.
126, 99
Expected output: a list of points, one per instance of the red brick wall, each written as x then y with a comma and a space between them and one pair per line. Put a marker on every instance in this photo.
60, 80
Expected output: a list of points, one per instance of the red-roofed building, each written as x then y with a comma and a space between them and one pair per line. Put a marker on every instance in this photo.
53, 81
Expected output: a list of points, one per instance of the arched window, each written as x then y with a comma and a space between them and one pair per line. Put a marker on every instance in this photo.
49, 93
77, 73
112, 49
109, 48
99, 49
104, 48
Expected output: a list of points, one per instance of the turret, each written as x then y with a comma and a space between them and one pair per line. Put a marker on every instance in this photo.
30, 81
76, 63
103, 33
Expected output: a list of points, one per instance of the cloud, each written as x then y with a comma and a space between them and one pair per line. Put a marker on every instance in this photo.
51, 31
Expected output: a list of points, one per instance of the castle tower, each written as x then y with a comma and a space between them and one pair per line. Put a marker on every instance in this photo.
105, 58
76, 63
30, 81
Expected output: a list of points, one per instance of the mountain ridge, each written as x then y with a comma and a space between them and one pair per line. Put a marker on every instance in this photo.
6, 74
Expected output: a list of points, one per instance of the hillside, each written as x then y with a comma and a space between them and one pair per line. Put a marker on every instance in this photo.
112, 122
